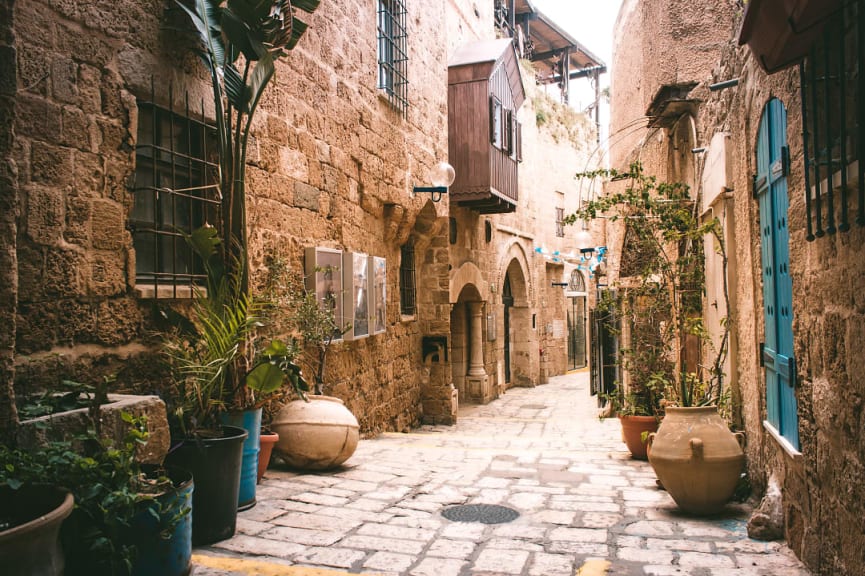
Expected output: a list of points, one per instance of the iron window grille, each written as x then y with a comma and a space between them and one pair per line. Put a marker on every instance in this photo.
407, 291
577, 283
175, 192
392, 53
833, 97
560, 222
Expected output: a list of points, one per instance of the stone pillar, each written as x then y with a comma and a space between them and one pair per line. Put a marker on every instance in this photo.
476, 326
477, 382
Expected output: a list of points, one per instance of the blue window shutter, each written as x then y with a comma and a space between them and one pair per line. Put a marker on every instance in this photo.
771, 191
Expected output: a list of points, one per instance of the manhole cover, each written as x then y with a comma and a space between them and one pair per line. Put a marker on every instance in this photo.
483, 513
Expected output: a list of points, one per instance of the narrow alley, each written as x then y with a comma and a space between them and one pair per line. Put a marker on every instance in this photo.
584, 506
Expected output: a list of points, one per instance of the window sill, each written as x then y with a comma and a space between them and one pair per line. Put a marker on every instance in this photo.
794, 454
168, 292
852, 180
407, 318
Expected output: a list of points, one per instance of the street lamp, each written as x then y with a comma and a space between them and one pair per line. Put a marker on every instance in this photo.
441, 176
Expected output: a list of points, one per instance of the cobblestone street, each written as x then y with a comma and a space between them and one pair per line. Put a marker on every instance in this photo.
584, 506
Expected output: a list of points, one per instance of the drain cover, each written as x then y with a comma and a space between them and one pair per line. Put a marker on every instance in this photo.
533, 406
483, 513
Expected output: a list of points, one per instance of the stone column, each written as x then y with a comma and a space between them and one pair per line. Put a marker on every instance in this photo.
477, 382
476, 326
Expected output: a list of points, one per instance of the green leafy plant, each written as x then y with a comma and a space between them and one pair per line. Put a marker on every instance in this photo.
660, 291
311, 322
239, 43
68, 395
218, 361
109, 487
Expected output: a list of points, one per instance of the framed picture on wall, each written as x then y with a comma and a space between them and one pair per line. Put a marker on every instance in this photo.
378, 278
357, 288
323, 269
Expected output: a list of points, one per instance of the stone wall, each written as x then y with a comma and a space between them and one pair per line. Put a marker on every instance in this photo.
331, 164
823, 505
8, 219
556, 145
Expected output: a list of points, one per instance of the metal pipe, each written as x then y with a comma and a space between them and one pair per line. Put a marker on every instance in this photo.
725, 84
860, 113
817, 153
830, 160
842, 94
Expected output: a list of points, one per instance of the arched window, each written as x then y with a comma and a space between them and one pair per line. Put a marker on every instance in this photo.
577, 282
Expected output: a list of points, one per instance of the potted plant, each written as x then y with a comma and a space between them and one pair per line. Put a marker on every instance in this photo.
239, 43
222, 372
316, 432
661, 287
103, 534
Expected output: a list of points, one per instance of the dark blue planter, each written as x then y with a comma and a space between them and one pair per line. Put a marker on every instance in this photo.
249, 420
215, 466
163, 550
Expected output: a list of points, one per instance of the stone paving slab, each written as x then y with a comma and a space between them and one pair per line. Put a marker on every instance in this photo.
586, 508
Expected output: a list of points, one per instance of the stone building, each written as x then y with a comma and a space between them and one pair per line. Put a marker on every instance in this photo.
772, 148
105, 152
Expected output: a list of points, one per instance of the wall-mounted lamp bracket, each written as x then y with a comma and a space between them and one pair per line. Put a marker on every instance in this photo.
434, 191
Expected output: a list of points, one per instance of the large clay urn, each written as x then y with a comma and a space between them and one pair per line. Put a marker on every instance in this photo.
317, 434
697, 459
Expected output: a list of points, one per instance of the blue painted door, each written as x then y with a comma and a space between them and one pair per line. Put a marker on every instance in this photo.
777, 353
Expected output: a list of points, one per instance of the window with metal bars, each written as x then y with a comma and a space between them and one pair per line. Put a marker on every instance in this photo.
176, 180
560, 222
407, 291
393, 53
833, 111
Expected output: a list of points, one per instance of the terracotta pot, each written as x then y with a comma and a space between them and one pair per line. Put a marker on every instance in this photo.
632, 433
315, 435
268, 440
697, 459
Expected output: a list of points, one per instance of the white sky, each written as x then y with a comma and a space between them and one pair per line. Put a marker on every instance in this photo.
591, 24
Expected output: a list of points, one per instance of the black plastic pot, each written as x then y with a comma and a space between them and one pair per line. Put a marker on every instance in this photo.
215, 466
31, 545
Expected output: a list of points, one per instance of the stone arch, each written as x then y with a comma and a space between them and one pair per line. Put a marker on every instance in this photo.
681, 162
516, 255
467, 275
520, 360
467, 337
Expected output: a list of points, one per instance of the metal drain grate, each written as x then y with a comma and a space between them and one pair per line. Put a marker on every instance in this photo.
483, 513
533, 407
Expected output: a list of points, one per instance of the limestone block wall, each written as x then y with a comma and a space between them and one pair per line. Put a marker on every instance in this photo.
823, 507
331, 164
553, 152
8, 216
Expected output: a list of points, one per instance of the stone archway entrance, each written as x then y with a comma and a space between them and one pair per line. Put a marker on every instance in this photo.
520, 337
467, 345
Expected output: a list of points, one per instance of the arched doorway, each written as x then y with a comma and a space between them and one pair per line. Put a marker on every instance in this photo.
507, 304
576, 315
521, 364
467, 329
